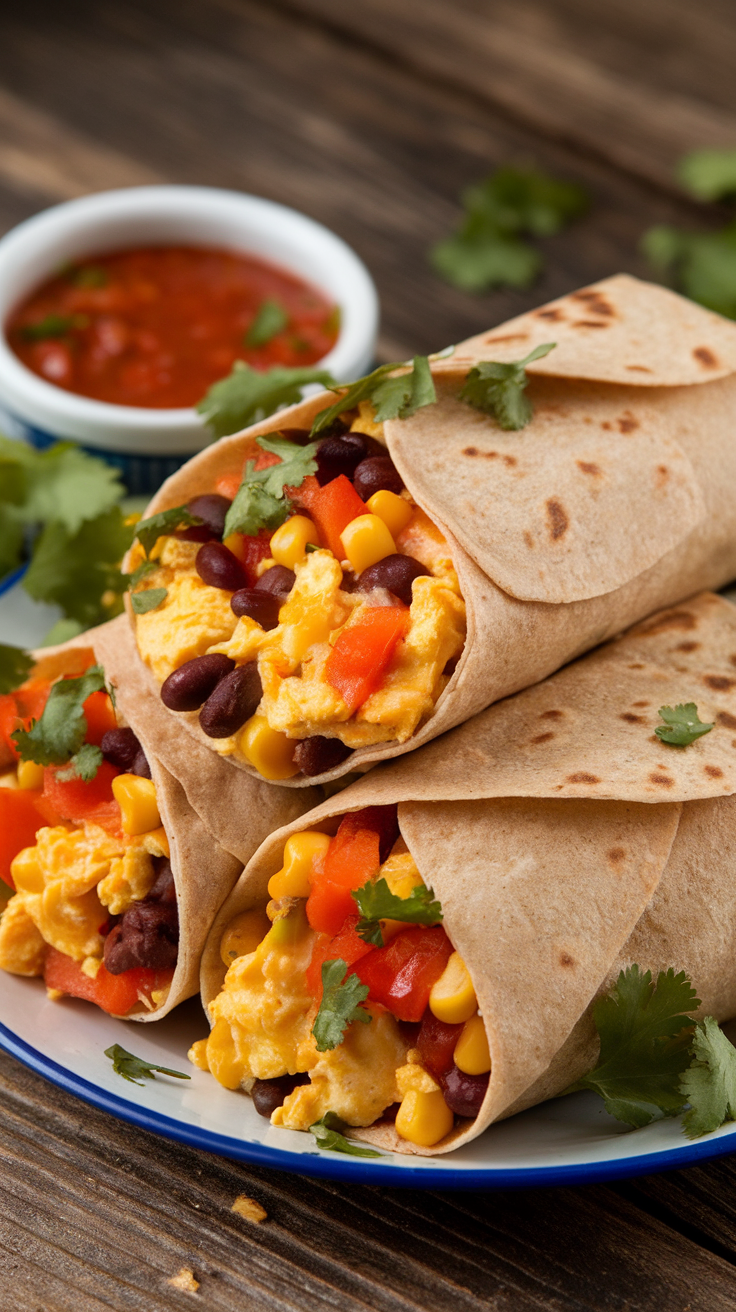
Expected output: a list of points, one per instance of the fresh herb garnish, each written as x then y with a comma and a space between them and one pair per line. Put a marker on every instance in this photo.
84, 764
126, 1064
499, 389
58, 736
247, 395
682, 725
376, 902
148, 531
270, 320
340, 1005
645, 1032
391, 398
61, 483
81, 571
709, 1083
142, 571
327, 1134
88, 276
15, 666
488, 249
709, 174
260, 501
148, 599
52, 325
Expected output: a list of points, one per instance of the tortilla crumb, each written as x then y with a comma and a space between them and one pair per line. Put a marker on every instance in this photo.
185, 1281
249, 1208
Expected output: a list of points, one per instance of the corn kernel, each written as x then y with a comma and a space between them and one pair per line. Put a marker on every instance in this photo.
157, 843
26, 873
452, 999
394, 511
366, 540
270, 752
30, 775
302, 854
287, 929
243, 935
136, 798
424, 1118
289, 543
472, 1054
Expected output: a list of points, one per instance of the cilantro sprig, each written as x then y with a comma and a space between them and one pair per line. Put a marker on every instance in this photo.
270, 320
148, 531
376, 902
129, 1066
327, 1133
148, 599
15, 666
709, 1083
246, 396
682, 725
58, 736
500, 389
340, 1005
391, 398
261, 501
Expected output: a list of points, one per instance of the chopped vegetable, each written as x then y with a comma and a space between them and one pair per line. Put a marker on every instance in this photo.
60, 732
270, 320
340, 1005
261, 501
332, 508
327, 1134
352, 857
126, 1064
247, 396
115, 994
401, 975
709, 1083
363, 652
499, 389
77, 799
683, 725
148, 599
391, 398
345, 944
20, 820
376, 902
15, 666
148, 531
84, 764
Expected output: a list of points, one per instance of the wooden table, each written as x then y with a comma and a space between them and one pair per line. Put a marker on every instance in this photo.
370, 116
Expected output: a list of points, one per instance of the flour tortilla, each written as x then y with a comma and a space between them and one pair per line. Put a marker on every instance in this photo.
547, 896
613, 502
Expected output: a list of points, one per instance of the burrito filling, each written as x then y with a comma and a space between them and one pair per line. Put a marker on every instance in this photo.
338, 630
93, 908
330, 1006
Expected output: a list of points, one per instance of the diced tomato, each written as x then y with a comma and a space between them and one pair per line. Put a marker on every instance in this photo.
402, 974
228, 484
265, 459
359, 659
100, 717
20, 820
436, 1043
18, 709
347, 944
73, 799
352, 859
331, 508
250, 551
115, 994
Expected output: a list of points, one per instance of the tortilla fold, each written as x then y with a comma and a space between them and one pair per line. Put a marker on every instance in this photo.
560, 855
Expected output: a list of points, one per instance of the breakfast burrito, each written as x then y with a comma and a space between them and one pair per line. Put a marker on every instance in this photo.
116, 874
420, 956
433, 564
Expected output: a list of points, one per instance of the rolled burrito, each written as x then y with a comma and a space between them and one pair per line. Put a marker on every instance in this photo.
559, 839
505, 554
116, 874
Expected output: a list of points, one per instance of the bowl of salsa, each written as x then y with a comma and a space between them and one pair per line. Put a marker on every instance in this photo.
121, 309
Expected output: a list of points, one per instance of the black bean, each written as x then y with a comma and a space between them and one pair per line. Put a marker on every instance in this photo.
342, 455
376, 474
335, 429
147, 934
267, 1095
197, 533
263, 607
463, 1093
317, 755
189, 687
140, 765
211, 508
396, 573
218, 567
233, 702
278, 580
120, 747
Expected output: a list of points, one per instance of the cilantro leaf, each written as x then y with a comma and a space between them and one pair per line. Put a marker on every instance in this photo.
260, 501
84, 764
488, 249
59, 734
702, 264
340, 1004
682, 725
148, 531
376, 902
247, 395
270, 320
327, 1134
11, 536
148, 599
15, 666
61, 483
141, 572
709, 174
76, 571
126, 1064
709, 1083
52, 325
392, 398
645, 1033
499, 389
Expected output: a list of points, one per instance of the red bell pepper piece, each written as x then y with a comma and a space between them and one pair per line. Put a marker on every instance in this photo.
100, 717
227, 484
436, 1043
22, 814
347, 945
401, 975
250, 551
18, 709
73, 799
115, 994
331, 507
353, 857
359, 659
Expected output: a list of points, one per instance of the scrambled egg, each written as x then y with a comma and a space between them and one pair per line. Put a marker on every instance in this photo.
190, 618
66, 886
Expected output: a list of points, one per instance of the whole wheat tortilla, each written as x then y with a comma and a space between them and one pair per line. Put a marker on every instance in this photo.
547, 896
613, 502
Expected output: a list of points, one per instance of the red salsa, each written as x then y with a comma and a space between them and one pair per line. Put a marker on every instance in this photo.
156, 326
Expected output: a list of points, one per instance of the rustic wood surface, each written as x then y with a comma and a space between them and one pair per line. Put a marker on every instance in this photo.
371, 117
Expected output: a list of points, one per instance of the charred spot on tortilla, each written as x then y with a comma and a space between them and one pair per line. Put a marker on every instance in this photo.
728, 721
662, 780
582, 777
630, 718
627, 422
552, 715
719, 682
487, 455
638, 369
530, 543
705, 356
589, 467
713, 771
542, 738
691, 646
511, 461
557, 519
589, 323
566, 959
616, 855
510, 337
662, 475
595, 302
554, 315
639, 703
670, 619
636, 665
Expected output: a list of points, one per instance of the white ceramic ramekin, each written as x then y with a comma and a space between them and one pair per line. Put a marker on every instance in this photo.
146, 444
